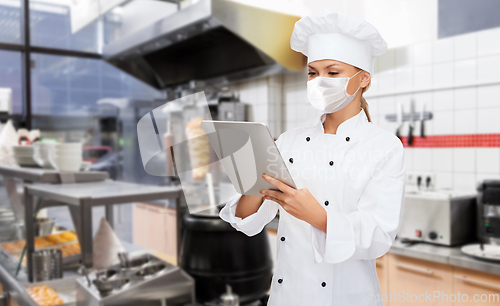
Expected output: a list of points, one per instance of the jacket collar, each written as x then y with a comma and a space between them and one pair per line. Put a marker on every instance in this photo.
349, 128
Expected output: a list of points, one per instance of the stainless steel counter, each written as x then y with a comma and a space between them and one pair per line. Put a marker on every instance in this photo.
51, 176
103, 193
15, 285
436, 253
30, 175
443, 254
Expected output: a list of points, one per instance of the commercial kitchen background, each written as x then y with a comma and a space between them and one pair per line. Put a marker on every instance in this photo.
444, 54
456, 76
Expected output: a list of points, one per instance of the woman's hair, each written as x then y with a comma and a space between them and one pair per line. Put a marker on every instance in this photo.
363, 103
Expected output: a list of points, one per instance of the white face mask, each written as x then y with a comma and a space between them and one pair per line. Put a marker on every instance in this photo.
329, 95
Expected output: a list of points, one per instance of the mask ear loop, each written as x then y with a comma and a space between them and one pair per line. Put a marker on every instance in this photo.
345, 89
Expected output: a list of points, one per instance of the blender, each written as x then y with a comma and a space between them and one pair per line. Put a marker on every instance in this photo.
488, 202
488, 225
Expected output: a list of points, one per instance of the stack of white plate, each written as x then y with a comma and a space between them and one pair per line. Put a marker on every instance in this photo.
41, 153
24, 155
66, 157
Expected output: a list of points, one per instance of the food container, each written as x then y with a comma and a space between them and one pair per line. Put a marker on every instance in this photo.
65, 288
47, 264
66, 241
195, 110
43, 226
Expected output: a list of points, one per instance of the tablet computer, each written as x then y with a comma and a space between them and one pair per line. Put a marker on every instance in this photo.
247, 150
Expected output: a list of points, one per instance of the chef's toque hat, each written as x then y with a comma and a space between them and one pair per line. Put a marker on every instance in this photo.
338, 36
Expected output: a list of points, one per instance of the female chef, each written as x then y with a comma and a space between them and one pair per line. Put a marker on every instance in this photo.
349, 175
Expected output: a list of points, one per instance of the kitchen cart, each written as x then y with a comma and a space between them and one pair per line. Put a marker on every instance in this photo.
80, 198
83, 197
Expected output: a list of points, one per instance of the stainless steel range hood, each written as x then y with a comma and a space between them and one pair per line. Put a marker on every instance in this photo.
211, 40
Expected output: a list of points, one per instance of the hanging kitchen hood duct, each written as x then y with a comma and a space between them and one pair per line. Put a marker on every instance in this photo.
212, 40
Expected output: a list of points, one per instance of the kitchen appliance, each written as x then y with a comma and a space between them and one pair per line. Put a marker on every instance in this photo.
215, 40
232, 111
146, 281
488, 211
439, 217
215, 255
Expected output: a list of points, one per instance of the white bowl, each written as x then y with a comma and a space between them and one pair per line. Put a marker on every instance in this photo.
67, 154
67, 149
41, 154
44, 144
65, 159
24, 154
66, 164
25, 160
43, 150
20, 149
25, 147
69, 146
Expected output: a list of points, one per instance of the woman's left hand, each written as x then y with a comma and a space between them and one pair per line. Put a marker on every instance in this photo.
300, 203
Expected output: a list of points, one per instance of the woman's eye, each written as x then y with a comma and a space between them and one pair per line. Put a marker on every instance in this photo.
333, 73
311, 73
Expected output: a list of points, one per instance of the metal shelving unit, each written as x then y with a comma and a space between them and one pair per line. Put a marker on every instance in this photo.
30, 175
83, 197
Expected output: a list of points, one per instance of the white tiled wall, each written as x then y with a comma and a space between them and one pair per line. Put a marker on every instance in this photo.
263, 95
458, 79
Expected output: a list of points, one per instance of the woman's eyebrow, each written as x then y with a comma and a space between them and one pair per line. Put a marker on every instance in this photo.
329, 66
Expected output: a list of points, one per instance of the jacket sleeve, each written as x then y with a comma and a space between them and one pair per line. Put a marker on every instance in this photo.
254, 223
369, 231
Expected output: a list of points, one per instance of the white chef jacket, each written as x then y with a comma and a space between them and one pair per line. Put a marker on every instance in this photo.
358, 177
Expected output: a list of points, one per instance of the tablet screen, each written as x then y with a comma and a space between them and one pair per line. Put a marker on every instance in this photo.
246, 151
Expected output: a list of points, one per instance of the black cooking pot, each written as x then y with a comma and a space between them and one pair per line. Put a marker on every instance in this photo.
216, 254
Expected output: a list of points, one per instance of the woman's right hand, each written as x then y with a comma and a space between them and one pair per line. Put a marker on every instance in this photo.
247, 205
